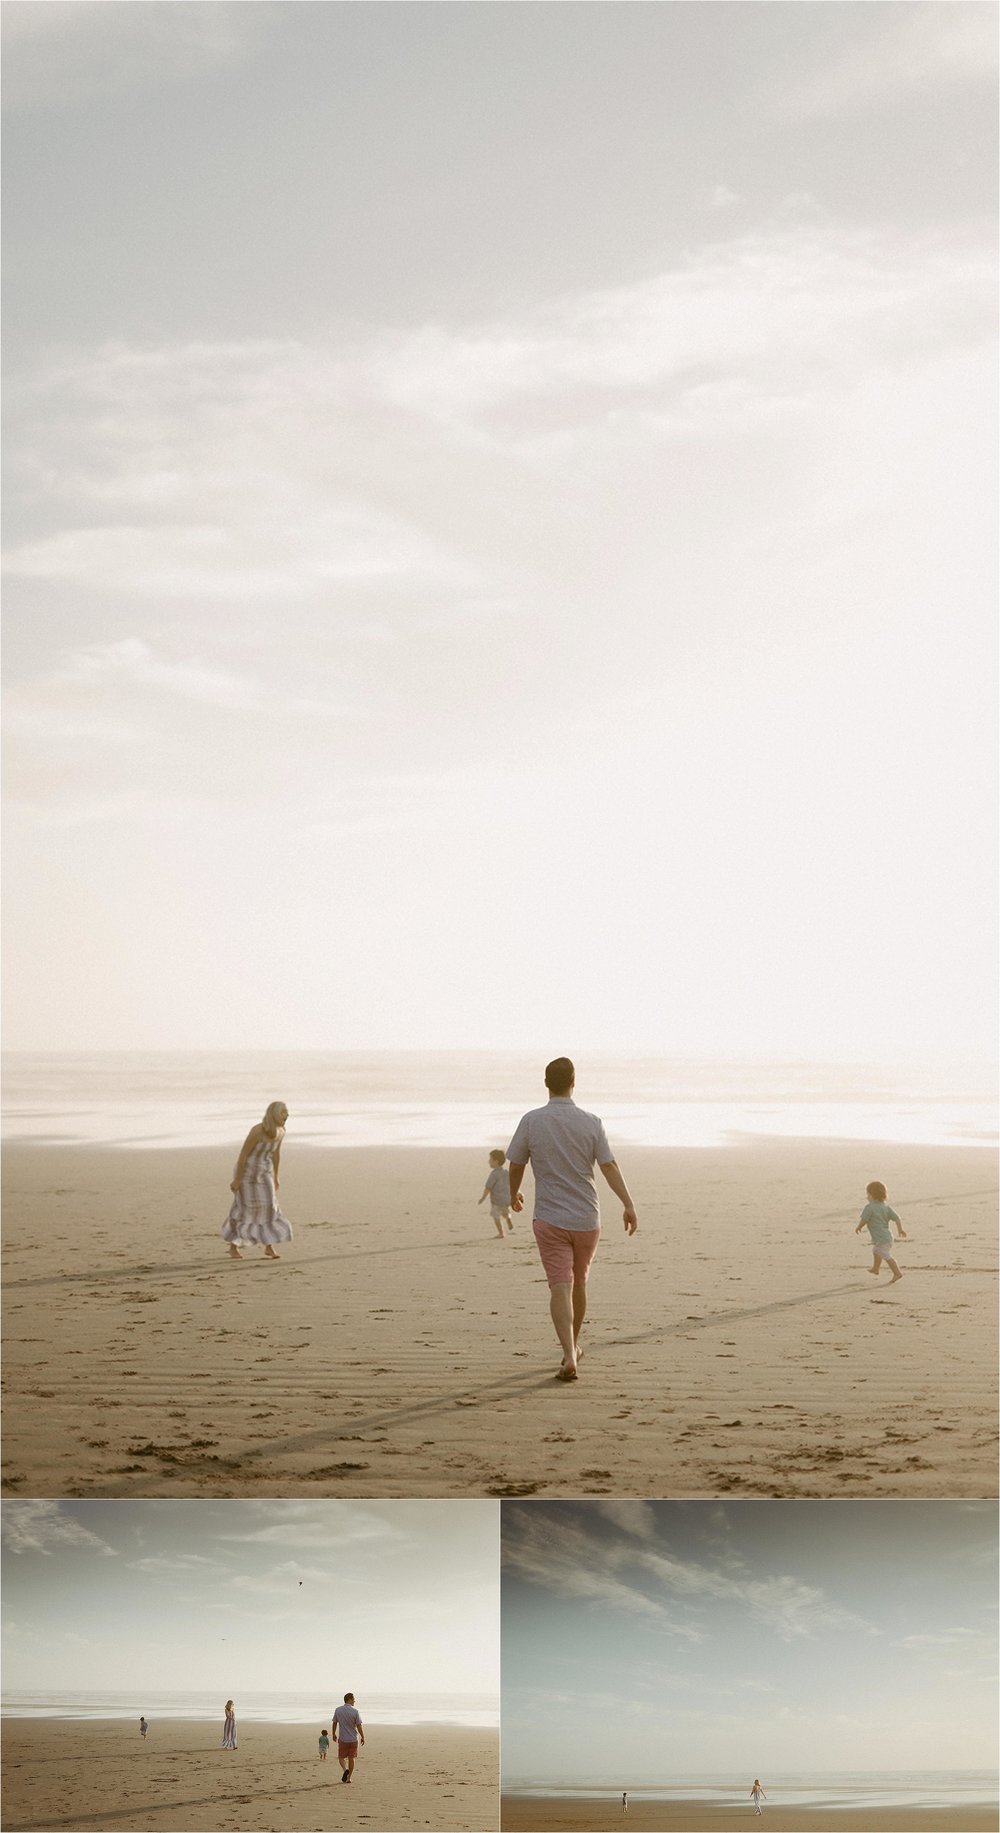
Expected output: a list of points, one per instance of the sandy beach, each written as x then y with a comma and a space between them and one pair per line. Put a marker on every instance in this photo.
101, 1775
586, 1814
736, 1346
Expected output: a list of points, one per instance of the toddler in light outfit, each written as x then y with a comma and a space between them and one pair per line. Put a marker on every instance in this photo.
876, 1217
498, 1191
324, 1744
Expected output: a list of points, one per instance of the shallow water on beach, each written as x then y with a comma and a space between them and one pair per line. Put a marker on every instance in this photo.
923, 1789
446, 1099
306, 1708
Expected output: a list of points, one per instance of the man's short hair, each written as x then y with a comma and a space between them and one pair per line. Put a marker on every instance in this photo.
559, 1076
348, 1699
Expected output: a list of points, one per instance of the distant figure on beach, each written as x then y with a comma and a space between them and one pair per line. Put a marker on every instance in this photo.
254, 1218
757, 1795
349, 1729
143, 1727
324, 1744
498, 1191
562, 1143
876, 1217
229, 1728
624, 1800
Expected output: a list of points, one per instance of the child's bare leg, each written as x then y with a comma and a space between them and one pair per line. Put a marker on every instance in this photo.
498, 1225
893, 1268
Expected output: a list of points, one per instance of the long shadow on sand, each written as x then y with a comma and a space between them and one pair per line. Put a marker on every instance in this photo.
124, 1814
510, 1384
223, 1262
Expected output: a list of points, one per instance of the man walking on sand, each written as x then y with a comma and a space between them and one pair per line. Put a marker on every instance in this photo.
348, 1730
562, 1144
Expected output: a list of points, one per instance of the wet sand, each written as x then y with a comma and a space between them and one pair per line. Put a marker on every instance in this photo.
101, 1776
399, 1348
584, 1814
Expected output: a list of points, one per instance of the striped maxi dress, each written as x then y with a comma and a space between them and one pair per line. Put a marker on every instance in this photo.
254, 1217
229, 1732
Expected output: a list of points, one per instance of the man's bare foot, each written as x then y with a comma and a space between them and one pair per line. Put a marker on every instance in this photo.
234, 1252
269, 1254
566, 1373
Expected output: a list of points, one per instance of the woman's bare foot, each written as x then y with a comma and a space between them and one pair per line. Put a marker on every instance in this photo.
269, 1253
234, 1252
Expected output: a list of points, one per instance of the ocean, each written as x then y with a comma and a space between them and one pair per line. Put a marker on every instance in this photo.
450, 1098
858, 1789
304, 1708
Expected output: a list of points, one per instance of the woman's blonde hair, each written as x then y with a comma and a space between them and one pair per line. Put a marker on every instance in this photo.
275, 1118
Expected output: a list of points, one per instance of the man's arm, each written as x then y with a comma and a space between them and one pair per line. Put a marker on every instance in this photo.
516, 1174
621, 1190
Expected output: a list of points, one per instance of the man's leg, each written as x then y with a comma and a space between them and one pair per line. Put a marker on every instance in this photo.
561, 1308
579, 1309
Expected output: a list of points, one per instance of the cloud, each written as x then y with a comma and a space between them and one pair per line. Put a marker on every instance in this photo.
636, 1518
422, 464
47, 1527
178, 1562
563, 1557
913, 50
627, 1572
66, 51
792, 305
283, 1580
134, 663
328, 1527
946, 1638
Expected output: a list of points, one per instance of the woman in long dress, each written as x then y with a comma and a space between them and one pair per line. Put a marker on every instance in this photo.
757, 1795
254, 1218
229, 1728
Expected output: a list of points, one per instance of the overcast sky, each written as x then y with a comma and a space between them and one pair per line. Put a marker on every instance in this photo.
500, 511
375, 1597
702, 1639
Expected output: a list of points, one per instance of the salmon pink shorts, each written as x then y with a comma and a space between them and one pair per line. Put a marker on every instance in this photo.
566, 1252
